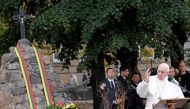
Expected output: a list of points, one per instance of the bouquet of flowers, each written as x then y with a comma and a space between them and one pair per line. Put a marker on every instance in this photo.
61, 105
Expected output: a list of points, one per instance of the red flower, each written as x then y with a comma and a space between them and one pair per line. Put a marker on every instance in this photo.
60, 103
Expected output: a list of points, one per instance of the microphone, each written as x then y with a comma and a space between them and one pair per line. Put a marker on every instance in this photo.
173, 81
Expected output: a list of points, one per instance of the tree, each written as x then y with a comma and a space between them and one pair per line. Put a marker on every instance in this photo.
118, 27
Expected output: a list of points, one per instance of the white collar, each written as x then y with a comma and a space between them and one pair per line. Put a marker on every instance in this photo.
110, 80
123, 77
165, 79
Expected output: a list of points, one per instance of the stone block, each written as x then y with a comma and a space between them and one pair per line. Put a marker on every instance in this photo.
37, 92
74, 62
35, 78
26, 97
19, 83
59, 99
40, 86
64, 78
20, 106
33, 60
73, 69
15, 76
18, 91
13, 60
57, 68
14, 66
5, 58
3, 75
8, 106
18, 99
46, 60
39, 106
38, 100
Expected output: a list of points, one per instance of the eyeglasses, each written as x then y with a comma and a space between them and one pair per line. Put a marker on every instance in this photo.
160, 71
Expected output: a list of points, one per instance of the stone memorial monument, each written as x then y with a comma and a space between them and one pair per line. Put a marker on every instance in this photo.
27, 79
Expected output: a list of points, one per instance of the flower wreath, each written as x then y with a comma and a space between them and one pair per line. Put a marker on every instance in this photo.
61, 105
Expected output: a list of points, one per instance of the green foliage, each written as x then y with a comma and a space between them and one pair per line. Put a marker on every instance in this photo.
105, 25
7, 7
3, 27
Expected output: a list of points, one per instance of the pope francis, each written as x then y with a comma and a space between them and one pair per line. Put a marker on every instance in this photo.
157, 87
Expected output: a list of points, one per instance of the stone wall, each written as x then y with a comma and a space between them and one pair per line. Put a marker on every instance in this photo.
12, 87
64, 74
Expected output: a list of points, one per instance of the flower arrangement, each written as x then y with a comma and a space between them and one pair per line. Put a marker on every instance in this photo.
61, 105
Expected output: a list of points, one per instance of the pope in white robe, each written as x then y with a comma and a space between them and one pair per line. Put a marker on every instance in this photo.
156, 88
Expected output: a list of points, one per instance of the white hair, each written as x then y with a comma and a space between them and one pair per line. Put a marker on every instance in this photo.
165, 67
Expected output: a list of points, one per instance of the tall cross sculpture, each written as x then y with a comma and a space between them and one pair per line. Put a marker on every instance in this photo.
21, 17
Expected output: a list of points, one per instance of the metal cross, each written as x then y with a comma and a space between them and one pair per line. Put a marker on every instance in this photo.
21, 18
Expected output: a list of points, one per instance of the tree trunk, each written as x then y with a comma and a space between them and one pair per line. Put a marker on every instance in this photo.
182, 38
128, 59
98, 73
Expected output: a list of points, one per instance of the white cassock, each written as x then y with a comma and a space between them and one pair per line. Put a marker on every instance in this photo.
156, 89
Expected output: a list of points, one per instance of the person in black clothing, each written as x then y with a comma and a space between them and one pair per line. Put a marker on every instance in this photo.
107, 91
84, 77
183, 78
123, 79
134, 101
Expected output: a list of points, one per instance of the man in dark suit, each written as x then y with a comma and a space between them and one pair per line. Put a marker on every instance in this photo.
123, 79
107, 91
134, 101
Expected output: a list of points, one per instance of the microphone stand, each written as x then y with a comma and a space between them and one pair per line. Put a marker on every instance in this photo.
185, 89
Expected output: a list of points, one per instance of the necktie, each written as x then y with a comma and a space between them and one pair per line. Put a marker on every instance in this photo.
112, 85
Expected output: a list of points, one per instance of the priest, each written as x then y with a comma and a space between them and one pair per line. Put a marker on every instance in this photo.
157, 87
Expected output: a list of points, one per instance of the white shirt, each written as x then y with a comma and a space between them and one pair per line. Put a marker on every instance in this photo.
156, 89
111, 80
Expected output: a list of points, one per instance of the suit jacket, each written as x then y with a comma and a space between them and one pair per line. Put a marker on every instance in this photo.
111, 94
154, 93
134, 100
